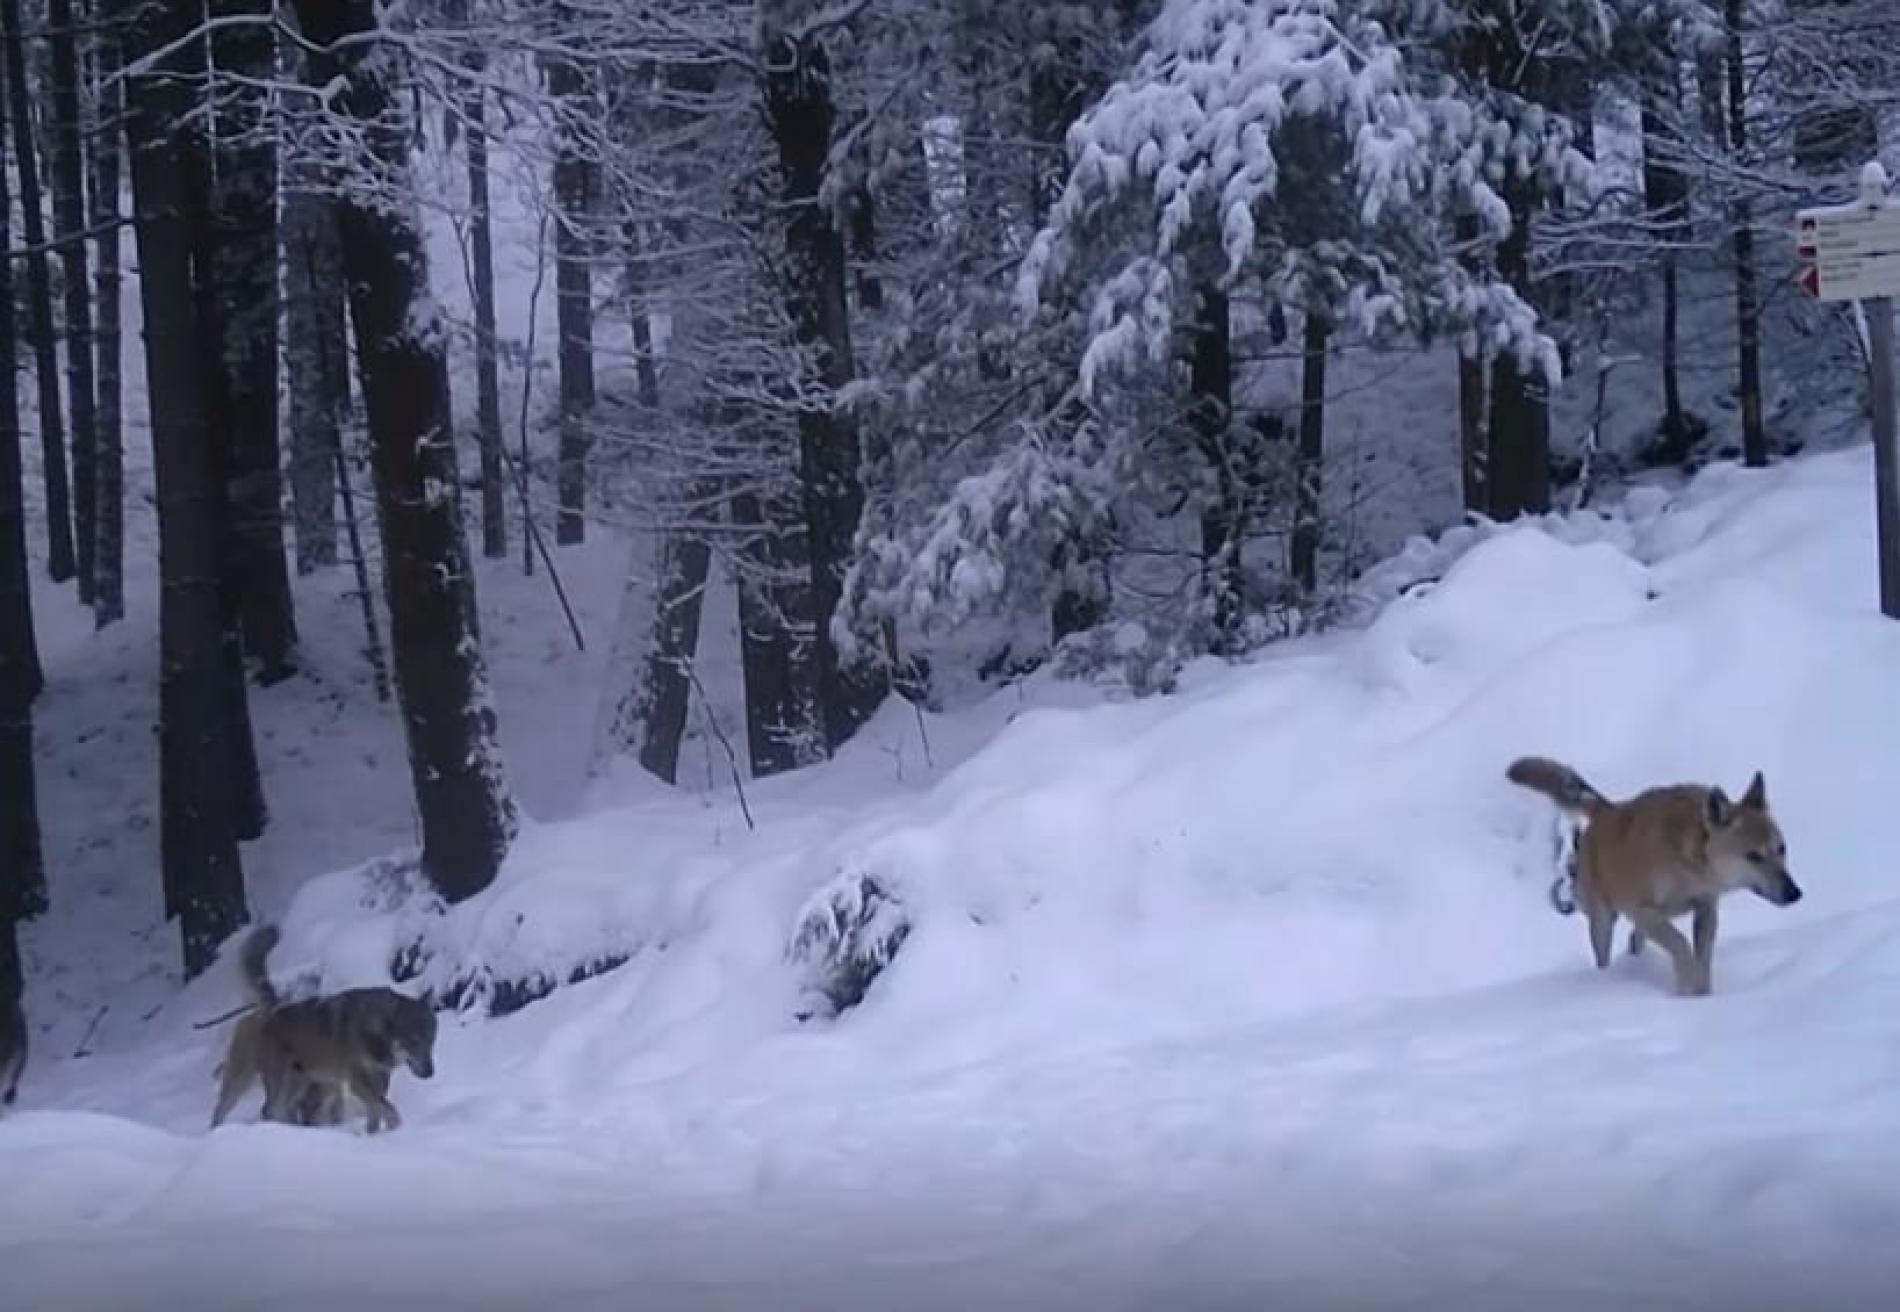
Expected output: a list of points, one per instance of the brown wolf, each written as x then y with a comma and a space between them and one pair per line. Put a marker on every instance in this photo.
311, 1054
1662, 853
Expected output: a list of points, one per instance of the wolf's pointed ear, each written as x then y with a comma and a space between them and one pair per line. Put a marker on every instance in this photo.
1756, 798
1721, 810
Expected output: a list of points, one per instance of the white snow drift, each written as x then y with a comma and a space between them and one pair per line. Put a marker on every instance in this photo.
1246, 996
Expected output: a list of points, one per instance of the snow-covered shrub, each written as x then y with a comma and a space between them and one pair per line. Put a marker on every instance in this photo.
846, 935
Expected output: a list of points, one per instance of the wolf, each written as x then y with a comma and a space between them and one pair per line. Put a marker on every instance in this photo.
311, 1054
1665, 852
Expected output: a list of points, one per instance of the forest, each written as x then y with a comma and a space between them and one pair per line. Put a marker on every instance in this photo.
426, 422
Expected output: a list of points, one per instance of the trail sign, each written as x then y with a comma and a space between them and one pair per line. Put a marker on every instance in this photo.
1852, 250
1852, 253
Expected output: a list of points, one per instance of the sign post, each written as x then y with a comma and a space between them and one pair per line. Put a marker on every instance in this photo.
1852, 253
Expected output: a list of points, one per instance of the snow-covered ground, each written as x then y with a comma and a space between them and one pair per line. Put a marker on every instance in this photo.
1244, 997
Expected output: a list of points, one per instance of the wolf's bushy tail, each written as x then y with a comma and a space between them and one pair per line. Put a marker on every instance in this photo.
1557, 781
257, 949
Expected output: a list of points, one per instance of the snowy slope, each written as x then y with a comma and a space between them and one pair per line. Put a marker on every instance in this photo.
1243, 997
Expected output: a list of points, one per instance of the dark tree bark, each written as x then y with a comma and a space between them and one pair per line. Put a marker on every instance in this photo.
243, 277
204, 881
61, 563
1471, 416
1517, 461
650, 721
800, 113
313, 304
640, 318
108, 566
487, 358
574, 297
781, 727
1666, 197
67, 168
1223, 513
1310, 464
19, 648
1061, 85
467, 813
864, 250
1747, 299
210, 314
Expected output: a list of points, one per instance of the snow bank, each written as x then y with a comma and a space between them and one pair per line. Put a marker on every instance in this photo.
1246, 996
1325, 826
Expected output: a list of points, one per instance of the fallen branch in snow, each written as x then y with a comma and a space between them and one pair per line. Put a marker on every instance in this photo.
84, 1049
732, 758
216, 1021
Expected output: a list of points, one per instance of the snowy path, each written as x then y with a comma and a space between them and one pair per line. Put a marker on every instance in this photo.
1573, 1141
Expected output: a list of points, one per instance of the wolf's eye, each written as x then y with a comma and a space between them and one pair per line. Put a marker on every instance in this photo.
1758, 858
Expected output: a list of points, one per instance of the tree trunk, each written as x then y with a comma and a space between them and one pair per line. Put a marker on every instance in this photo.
1471, 417
640, 319
1311, 462
19, 647
1747, 301
467, 813
1517, 461
800, 112
313, 289
204, 881
487, 358
1223, 514
781, 728
864, 250
57, 511
649, 722
574, 298
211, 311
1060, 87
67, 170
1665, 196
108, 566
243, 275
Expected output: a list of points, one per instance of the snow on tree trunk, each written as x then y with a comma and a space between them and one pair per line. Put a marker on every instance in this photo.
243, 274
57, 512
19, 647
67, 174
108, 566
204, 881
574, 302
782, 728
799, 109
654, 655
487, 358
467, 813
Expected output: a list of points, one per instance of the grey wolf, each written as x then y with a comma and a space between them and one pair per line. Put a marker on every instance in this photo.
311, 1055
1666, 852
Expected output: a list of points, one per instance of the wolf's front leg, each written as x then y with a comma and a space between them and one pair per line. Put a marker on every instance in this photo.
1692, 980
